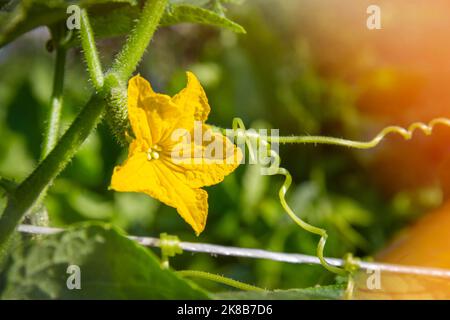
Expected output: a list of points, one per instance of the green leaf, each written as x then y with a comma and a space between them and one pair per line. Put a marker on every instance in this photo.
314, 293
111, 265
120, 21
186, 13
22, 16
108, 17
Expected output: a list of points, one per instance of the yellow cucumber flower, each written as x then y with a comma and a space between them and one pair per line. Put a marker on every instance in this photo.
164, 160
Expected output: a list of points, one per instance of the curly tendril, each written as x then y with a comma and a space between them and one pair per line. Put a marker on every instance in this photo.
406, 133
251, 138
239, 128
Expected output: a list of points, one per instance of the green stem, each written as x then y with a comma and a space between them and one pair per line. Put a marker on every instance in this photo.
220, 279
90, 51
39, 216
128, 59
126, 63
51, 132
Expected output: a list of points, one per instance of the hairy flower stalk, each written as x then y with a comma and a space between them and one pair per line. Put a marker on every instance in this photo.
117, 115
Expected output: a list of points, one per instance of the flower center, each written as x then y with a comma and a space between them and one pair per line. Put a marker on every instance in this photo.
153, 152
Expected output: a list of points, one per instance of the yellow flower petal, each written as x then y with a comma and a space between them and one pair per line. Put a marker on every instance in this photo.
137, 174
154, 116
191, 203
138, 90
158, 181
208, 162
193, 97
162, 116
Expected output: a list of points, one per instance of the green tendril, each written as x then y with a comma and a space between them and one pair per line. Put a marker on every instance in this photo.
406, 133
219, 279
239, 129
250, 138
348, 294
351, 265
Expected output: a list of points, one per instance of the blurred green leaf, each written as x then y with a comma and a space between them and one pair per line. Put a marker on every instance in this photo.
315, 293
116, 22
254, 187
40, 271
90, 205
134, 211
121, 20
87, 165
22, 16
108, 17
187, 13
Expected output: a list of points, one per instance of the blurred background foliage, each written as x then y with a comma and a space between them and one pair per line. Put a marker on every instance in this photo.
305, 67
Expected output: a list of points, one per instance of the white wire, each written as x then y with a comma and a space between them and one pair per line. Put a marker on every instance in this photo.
262, 254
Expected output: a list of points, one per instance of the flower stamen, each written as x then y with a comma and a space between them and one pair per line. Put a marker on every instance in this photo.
153, 152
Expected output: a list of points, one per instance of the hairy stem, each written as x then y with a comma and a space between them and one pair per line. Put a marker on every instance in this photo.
219, 279
90, 51
51, 133
126, 63
39, 215
130, 56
